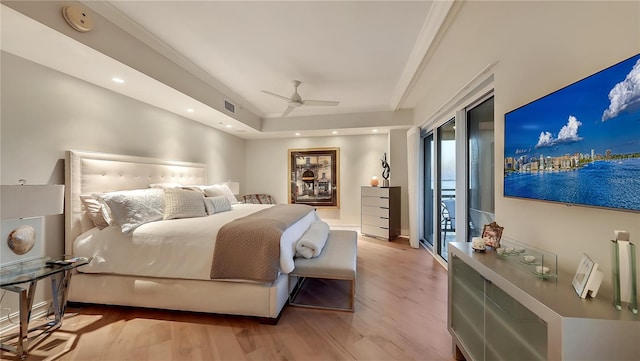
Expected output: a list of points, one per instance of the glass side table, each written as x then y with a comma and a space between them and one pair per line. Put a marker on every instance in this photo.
22, 278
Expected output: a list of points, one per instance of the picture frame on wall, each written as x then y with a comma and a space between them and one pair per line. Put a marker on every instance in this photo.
314, 177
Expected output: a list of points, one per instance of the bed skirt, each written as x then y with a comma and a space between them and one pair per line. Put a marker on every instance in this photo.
222, 297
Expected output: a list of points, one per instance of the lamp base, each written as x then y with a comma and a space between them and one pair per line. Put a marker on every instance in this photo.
7, 227
385, 183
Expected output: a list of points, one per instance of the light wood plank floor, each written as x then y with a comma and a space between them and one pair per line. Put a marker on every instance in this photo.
401, 314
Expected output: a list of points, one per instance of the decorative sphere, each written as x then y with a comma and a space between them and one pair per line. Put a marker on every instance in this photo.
374, 181
22, 239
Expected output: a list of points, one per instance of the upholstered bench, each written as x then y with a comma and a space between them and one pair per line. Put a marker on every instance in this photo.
337, 261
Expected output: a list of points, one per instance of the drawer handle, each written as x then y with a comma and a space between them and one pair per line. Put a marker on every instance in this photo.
384, 228
384, 217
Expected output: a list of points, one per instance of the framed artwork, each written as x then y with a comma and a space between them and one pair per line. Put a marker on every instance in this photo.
492, 233
314, 176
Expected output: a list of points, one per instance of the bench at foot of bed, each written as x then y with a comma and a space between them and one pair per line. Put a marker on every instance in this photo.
336, 263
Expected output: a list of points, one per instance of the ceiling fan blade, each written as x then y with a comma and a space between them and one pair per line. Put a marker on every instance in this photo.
288, 110
276, 95
320, 102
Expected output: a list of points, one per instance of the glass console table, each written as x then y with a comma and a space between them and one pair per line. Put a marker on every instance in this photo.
22, 278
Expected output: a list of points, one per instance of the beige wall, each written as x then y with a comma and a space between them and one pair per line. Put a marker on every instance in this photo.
540, 46
266, 169
45, 112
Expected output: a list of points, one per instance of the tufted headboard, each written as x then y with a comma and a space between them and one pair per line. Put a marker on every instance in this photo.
92, 172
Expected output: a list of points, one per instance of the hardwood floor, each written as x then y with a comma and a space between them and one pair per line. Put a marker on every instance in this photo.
401, 314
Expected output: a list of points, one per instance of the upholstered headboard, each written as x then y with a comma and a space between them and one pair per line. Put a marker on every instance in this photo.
91, 172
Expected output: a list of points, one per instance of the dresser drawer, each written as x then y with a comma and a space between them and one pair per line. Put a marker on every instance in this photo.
375, 201
380, 212
375, 211
374, 192
375, 221
375, 231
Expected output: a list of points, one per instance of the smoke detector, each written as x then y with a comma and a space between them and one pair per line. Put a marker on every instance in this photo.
77, 18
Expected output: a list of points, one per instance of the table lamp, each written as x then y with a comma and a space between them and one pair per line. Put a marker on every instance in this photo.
22, 211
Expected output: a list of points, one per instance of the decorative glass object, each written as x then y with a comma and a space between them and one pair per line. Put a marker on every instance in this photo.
624, 275
542, 264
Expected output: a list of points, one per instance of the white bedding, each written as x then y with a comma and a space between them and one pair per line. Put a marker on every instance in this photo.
177, 248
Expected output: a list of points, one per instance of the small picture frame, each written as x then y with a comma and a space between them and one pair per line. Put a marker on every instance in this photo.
492, 233
585, 276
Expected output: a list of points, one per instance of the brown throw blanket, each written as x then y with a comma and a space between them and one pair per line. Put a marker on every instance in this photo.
248, 248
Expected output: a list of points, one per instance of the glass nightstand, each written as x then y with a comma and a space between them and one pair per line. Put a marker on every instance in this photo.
22, 278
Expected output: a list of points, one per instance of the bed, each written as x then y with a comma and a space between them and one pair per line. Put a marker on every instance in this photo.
127, 269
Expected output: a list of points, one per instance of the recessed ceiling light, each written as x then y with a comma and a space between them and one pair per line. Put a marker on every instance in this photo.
334, 132
375, 130
297, 134
228, 126
190, 110
118, 80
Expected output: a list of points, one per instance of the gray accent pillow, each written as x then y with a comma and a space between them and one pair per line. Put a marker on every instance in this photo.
182, 203
217, 204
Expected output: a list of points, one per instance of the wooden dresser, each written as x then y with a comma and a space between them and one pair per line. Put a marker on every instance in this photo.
380, 212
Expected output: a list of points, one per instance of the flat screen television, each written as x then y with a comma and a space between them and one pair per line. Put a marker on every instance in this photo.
579, 145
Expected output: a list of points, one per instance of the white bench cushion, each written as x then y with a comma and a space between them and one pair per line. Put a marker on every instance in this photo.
338, 259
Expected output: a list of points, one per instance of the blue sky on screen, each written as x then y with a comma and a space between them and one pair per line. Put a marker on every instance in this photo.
599, 112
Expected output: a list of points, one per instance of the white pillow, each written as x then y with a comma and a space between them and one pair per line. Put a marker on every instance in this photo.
181, 203
131, 209
165, 185
94, 209
217, 204
212, 191
227, 192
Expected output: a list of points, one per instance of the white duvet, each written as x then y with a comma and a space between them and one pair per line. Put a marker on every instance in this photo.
177, 248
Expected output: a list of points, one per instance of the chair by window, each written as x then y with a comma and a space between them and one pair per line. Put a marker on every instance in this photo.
448, 216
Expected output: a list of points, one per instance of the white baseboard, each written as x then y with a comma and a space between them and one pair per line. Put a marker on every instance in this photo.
346, 227
11, 321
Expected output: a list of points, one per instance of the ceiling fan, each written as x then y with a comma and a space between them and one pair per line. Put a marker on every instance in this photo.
296, 100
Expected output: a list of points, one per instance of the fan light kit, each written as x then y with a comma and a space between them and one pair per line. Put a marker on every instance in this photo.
296, 100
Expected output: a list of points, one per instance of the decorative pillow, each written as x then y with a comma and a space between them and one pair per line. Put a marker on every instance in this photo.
94, 209
227, 192
212, 191
217, 204
181, 203
165, 185
131, 209
195, 188
258, 199
209, 206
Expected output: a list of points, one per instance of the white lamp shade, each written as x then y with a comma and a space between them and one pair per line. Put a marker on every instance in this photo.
22, 201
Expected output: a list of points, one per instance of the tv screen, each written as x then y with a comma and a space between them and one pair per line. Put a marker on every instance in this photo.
579, 145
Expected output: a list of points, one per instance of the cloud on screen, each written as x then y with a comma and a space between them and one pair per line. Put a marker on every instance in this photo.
624, 95
567, 134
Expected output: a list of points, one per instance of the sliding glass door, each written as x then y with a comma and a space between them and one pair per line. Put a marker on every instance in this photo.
428, 185
458, 174
446, 158
480, 166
